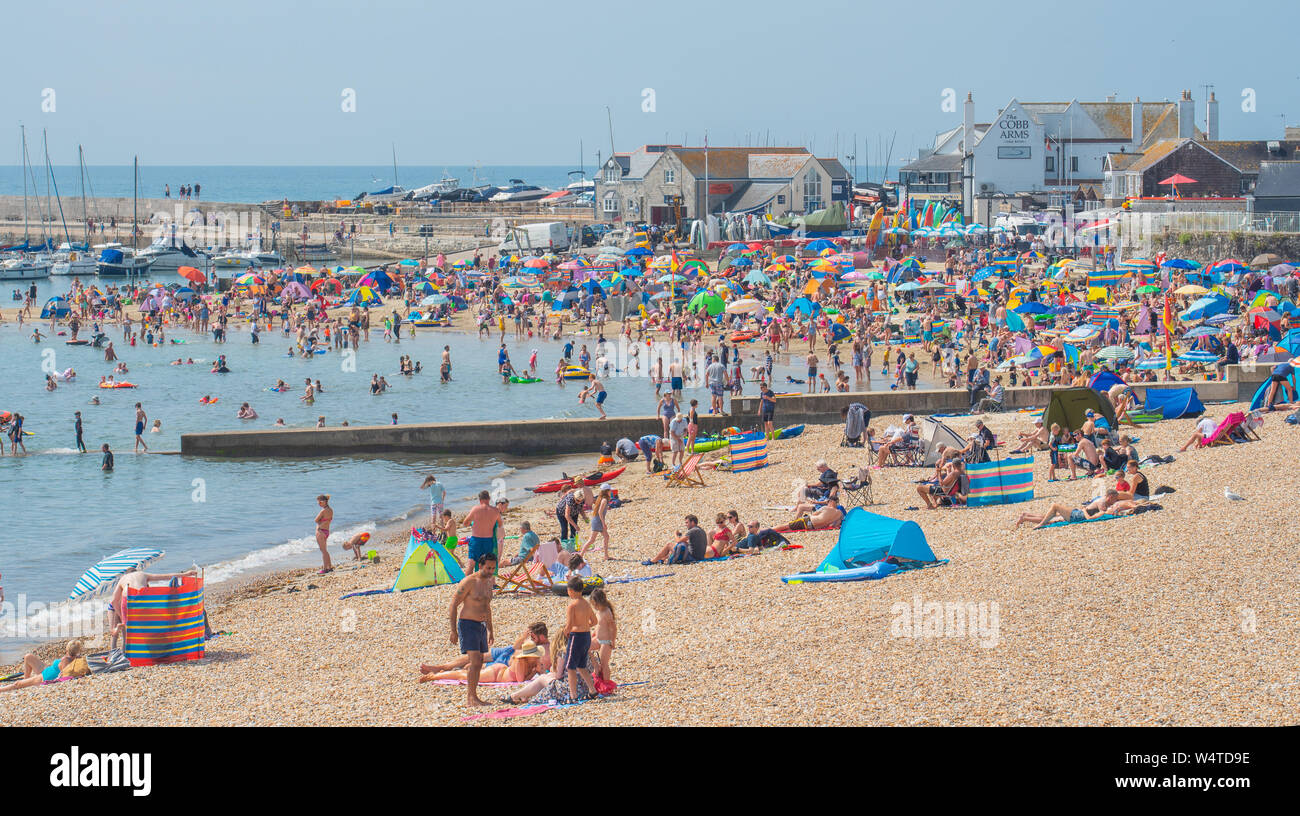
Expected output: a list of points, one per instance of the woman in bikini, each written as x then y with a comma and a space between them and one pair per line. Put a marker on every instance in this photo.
524, 665
323, 520
36, 672
721, 539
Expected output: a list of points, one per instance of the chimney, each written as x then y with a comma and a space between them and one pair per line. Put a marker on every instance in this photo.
1186, 116
1135, 132
1212, 118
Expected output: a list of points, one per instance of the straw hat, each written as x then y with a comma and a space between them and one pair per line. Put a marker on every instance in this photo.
528, 649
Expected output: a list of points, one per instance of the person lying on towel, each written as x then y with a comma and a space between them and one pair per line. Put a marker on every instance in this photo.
1110, 503
536, 633
826, 518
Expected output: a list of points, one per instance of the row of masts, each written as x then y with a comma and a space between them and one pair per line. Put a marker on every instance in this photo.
52, 185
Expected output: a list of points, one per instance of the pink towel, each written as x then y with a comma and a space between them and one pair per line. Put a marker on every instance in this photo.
506, 713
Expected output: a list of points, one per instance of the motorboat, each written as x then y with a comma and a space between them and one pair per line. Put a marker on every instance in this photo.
170, 254
118, 261
23, 268
437, 190
518, 192
246, 258
72, 259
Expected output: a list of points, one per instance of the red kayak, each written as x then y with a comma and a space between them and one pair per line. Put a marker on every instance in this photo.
559, 484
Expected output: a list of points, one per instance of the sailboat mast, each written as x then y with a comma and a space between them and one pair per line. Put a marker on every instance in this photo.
85, 216
135, 196
26, 236
49, 168
394, 164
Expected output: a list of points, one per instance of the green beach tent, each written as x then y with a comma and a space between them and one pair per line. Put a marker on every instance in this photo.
426, 565
1069, 406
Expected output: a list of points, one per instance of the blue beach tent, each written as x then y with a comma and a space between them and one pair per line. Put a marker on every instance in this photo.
1173, 403
1103, 381
55, 307
866, 542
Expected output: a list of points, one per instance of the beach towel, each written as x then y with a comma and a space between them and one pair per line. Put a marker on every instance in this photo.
628, 580
1103, 517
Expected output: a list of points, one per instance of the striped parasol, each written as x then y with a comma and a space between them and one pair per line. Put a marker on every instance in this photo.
1116, 353
99, 579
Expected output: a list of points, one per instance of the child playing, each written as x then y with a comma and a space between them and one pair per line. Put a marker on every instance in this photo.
355, 543
579, 618
606, 629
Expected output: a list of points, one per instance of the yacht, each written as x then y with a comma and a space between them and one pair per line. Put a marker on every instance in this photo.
436, 190
72, 259
118, 261
316, 254
246, 258
518, 191
23, 268
170, 254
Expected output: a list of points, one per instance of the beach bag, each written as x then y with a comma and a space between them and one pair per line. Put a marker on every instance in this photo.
658, 466
77, 668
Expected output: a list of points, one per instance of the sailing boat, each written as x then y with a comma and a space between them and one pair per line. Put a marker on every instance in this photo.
116, 260
21, 266
70, 258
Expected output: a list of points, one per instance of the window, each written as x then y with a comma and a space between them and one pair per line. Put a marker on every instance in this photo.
670, 176
1051, 164
1074, 164
812, 192
610, 202
612, 174
1245, 184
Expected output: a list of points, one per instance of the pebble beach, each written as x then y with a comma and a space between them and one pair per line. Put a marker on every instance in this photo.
1176, 617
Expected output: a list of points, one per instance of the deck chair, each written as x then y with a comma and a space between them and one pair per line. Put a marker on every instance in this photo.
688, 475
908, 454
856, 492
1233, 423
525, 578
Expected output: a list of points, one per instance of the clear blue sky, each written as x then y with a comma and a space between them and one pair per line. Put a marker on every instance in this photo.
506, 82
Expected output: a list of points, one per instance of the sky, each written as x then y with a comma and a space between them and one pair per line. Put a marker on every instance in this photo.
505, 82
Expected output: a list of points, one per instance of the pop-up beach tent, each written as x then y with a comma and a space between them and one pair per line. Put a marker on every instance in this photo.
426, 564
1103, 381
1173, 403
1261, 393
934, 433
55, 307
871, 546
1069, 405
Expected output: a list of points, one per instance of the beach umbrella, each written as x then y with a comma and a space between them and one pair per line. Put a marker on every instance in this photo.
1202, 331
1219, 320
435, 300
803, 305
250, 279
1198, 357
757, 278
101, 578
1179, 263
910, 286
742, 262
1032, 307
306, 271
1149, 363
1229, 266
931, 285
630, 272
638, 252
574, 265
736, 249
536, 263
423, 288
409, 262
1150, 288
186, 293
1116, 353
694, 266
1265, 260
744, 306
672, 278
190, 273
706, 302
1191, 289
818, 245
1282, 270
332, 284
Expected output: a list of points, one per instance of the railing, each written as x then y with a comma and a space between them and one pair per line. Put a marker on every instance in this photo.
1200, 222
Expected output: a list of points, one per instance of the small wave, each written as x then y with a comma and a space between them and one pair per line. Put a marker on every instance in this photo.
79, 619
58, 451
260, 560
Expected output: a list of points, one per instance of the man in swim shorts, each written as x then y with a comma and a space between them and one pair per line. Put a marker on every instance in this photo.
482, 520
470, 617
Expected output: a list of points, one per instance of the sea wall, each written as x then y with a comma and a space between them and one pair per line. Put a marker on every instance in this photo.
544, 437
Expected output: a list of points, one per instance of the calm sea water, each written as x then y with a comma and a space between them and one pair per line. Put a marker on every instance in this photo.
232, 517
255, 184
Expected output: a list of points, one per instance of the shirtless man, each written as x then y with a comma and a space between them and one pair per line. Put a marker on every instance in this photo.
482, 521
135, 579
470, 617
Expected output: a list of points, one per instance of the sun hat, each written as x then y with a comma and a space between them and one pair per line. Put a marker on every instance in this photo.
528, 649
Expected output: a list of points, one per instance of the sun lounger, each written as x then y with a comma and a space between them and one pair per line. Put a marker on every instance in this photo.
1233, 423
688, 475
525, 578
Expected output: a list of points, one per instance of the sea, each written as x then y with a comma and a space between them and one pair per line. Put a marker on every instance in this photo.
254, 184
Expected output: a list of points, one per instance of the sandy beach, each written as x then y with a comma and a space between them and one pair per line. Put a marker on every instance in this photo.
1177, 617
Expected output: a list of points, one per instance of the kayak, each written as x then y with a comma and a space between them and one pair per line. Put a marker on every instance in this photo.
789, 432
117, 385
557, 485
706, 445
525, 379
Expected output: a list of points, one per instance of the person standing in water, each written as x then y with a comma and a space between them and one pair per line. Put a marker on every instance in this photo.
140, 419
81, 444
323, 520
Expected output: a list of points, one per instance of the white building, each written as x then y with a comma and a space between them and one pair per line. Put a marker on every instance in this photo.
1056, 149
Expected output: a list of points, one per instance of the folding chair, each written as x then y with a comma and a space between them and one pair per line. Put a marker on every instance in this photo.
856, 492
908, 454
525, 578
688, 475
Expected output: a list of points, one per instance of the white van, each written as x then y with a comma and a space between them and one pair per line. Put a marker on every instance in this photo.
550, 236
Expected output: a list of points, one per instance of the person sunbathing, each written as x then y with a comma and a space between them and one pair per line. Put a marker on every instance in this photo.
524, 664
1109, 503
826, 518
536, 633
941, 493
720, 539
1036, 440
1205, 428
36, 672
